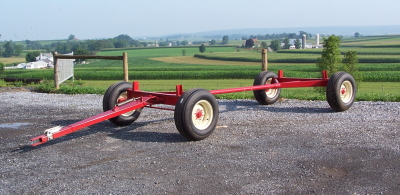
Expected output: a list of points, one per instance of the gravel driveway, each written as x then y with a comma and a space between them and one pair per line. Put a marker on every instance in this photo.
291, 147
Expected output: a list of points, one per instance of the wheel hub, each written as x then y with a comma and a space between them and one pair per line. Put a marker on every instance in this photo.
346, 91
199, 114
202, 114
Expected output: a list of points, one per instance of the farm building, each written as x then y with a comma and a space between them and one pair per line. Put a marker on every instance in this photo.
36, 65
19, 66
44, 60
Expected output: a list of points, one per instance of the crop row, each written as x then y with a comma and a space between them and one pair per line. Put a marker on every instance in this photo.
144, 68
360, 51
381, 76
297, 59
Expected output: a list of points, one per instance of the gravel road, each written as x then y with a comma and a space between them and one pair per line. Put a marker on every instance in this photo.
291, 147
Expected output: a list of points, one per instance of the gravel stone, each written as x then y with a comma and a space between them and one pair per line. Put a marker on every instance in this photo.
290, 147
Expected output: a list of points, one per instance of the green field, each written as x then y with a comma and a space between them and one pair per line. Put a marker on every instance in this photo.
160, 69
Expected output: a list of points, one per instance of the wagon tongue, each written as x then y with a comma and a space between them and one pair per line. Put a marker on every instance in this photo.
59, 131
49, 135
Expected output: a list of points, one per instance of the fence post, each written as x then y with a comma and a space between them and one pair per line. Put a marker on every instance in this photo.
56, 77
125, 61
264, 59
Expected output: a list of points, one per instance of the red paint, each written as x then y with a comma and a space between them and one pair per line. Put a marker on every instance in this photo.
148, 99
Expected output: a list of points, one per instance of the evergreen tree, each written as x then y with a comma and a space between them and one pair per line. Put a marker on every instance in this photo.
297, 44
8, 49
350, 65
286, 42
225, 39
202, 48
330, 57
1, 68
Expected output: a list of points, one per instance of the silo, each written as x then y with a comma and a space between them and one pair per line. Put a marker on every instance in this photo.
317, 39
303, 41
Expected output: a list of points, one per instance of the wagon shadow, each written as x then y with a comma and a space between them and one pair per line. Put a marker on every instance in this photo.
254, 105
123, 133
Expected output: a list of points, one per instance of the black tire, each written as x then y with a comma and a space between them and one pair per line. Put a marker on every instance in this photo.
341, 91
269, 96
113, 94
196, 114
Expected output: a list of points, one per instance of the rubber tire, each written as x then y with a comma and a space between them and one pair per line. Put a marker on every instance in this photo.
336, 100
261, 95
110, 99
184, 109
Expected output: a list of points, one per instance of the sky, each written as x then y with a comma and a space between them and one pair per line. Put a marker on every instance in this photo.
94, 19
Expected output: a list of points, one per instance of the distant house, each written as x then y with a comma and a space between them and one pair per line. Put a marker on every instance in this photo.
43, 56
37, 65
44, 60
19, 66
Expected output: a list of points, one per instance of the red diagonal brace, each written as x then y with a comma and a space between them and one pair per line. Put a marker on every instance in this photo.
140, 103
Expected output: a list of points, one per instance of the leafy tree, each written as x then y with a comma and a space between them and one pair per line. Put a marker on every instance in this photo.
202, 48
184, 42
297, 44
33, 45
120, 43
125, 37
212, 42
249, 43
81, 51
225, 39
1, 68
264, 45
350, 65
162, 44
145, 44
8, 49
292, 35
301, 33
96, 45
330, 57
178, 43
286, 44
18, 49
183, 52
31, 56
275, 45
64, 48
356, 34
71, 37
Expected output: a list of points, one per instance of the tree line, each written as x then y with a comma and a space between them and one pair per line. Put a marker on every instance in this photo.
10, 48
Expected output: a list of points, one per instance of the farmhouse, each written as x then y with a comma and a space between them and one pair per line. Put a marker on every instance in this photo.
44, 60
36, 65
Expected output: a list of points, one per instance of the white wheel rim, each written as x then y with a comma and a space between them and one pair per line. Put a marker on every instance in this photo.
202, 114
270, 92
346, 91
121, 98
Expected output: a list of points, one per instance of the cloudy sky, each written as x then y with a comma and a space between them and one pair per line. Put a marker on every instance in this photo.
92, 19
